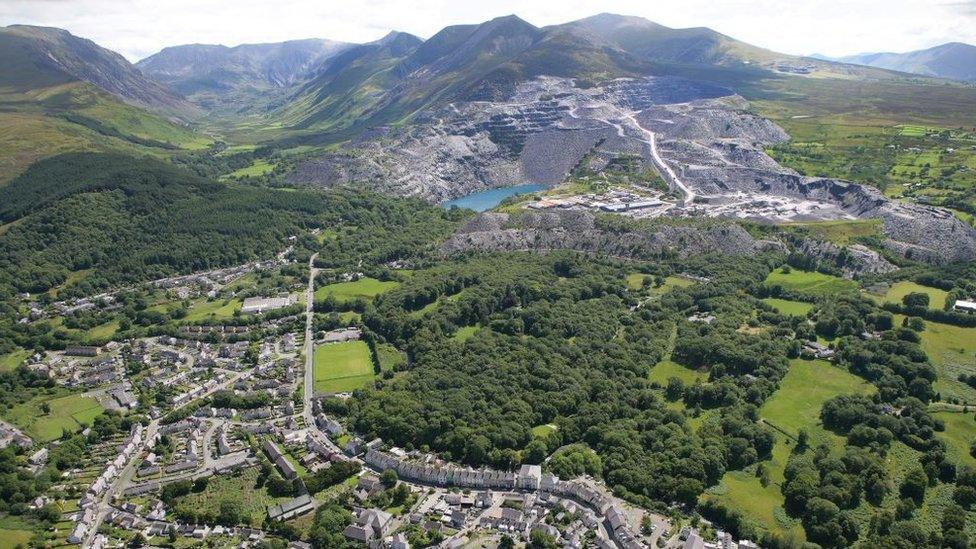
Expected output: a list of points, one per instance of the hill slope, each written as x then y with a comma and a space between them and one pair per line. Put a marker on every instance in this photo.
210, 75
60, 93
382, 85
954, 60
37, 57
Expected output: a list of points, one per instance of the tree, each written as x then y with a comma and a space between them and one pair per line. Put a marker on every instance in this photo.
802, 440
389, 478
914, 485
507, 542
535, 452
916, 300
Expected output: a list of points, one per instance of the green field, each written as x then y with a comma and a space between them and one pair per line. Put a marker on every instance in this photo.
464, 333
810, 282
960, 433
841, 232
667, 369
341, 367
13, 359
804, 389
14, 532
635, 281
544, 430
366, 288
217, 309
787, 307
899, 290
258, 168
67, 412
952, 349
241, 488
390, 357
795, 406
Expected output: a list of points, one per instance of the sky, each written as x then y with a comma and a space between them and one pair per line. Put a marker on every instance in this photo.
138, 28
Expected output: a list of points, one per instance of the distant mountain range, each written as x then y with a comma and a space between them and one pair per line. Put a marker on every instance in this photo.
208, 74
955, 61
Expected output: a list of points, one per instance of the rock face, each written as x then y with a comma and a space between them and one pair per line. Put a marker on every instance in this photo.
853, 260
579, 231
703, 133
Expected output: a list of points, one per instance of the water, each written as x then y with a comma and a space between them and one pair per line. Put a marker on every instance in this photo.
488, 199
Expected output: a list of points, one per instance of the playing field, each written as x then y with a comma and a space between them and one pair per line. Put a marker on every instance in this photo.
341, 367
67, 412
810, 282
787, 307
366, 288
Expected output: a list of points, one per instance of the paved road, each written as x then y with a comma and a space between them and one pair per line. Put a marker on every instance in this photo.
666, 170
121, 480
309, 351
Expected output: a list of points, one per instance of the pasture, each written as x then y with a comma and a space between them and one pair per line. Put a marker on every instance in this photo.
217, 309
899, 290
71, 412
806, 386
959, 434
810, 282
795, 406
13, 359
952, 349
342, 367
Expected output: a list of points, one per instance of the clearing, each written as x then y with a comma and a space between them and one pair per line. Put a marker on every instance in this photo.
787, 307
809, 282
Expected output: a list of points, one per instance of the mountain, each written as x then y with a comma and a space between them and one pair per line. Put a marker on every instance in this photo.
207, 73
378, 83
60, 93
38, 57
651, 41
955, 61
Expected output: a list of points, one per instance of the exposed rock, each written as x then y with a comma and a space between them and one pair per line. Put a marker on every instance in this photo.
578, 231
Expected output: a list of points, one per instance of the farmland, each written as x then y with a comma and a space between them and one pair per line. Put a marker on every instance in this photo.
341, 367
953, 351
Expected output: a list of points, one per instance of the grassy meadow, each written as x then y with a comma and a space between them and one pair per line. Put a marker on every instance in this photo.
68, 411
809, 282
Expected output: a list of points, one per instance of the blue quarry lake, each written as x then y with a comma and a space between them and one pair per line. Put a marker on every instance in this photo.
488, 199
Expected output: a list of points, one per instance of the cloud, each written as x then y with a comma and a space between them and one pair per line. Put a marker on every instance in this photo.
139, 28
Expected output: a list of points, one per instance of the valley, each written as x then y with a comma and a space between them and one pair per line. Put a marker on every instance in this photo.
602, 283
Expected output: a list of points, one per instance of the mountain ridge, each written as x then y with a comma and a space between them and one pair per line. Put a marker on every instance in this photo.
952, 60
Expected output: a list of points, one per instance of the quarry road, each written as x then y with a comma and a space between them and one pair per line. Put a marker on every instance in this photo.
666, 170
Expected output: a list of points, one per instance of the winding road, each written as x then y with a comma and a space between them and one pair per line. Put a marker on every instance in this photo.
666, 171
